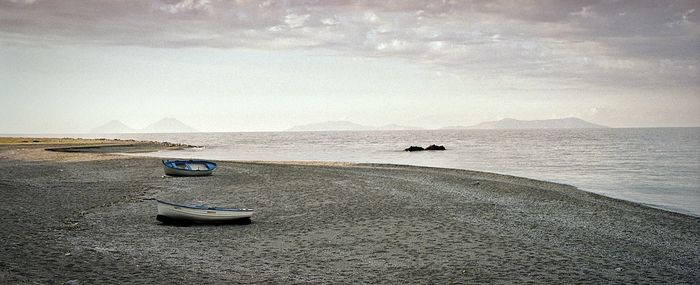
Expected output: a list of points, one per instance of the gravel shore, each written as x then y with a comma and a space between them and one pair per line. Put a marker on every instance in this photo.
90, 218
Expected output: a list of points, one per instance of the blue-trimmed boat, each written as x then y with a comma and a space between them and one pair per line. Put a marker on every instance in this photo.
188, 167
174, 213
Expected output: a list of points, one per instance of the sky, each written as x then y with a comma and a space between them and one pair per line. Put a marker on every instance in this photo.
69, 66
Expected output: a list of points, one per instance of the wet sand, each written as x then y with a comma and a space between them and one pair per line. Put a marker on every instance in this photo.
89, 217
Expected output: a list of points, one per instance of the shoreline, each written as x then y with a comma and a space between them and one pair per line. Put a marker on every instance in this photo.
367, 223
135, 148
341, 164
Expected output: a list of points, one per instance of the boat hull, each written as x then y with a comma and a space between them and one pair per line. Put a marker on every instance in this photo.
168, 212
188, 167
183, 172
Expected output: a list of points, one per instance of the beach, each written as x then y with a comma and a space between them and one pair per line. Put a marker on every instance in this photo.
88, 216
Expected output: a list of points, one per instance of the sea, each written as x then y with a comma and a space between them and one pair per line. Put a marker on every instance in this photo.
658, 167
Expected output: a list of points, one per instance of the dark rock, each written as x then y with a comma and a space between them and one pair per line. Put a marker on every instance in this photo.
414, 148
435, 147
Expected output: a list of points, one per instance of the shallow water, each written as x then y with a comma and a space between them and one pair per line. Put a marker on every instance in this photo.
655, 166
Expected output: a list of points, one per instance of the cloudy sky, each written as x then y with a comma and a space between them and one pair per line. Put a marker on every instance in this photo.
69, 66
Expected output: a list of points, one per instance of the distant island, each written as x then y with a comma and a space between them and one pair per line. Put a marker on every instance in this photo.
347, 126
565, 123
113, 127
172, 125
166, 125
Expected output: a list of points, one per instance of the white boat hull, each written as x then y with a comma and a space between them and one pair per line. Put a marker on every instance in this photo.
183, 213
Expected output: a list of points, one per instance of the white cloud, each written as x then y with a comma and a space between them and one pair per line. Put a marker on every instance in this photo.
296, 21
371, 17
532, 40
22, 1
329, 21
681, 19
585, 12
185, 6
436, 45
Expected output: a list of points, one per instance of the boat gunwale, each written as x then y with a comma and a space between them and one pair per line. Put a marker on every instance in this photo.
203, 208
166, 163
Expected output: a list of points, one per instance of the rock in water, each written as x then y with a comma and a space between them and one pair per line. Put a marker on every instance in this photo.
435, 147
414, 148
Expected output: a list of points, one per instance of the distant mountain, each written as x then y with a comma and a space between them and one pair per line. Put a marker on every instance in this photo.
395, 127
346, 126
169, 125
565, 123
113, 127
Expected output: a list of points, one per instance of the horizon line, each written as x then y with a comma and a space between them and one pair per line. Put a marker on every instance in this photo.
313, 131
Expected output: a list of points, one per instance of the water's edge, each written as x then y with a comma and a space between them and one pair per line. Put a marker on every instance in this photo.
655, 166
155, 154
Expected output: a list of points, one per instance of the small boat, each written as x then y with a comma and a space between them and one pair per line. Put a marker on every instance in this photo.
188, 167
173, 213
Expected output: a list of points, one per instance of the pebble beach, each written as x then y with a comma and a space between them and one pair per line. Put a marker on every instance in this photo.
88, 217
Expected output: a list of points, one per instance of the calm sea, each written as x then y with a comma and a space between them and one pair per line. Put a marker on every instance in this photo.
659, 167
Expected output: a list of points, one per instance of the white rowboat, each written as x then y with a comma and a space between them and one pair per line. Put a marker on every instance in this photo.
178, 213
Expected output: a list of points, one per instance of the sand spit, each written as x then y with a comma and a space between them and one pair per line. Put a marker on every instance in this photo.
65, 217
58, 149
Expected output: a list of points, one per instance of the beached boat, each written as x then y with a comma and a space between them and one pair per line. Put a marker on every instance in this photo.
188, 167
179, 213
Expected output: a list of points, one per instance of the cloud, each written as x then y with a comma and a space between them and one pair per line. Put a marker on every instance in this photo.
579, 44
185, 6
